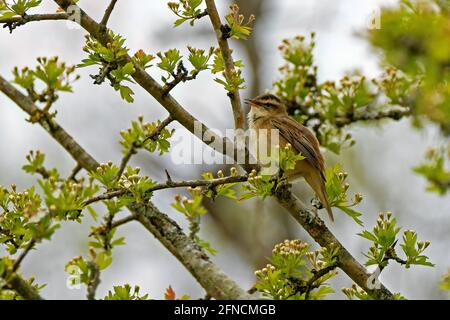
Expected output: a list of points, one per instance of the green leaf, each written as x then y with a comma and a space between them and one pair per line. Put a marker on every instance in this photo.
104, 260
126, 93
353, 214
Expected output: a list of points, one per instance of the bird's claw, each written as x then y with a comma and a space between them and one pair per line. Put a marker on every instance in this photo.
314, 215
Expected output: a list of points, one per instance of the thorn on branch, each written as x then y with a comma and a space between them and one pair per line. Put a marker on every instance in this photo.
169, 178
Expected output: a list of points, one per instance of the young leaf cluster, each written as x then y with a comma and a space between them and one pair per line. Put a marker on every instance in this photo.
356, 292
140, 135
413, 39
187, 10
6, 271
172, 63
384, 240
436, 171
112, 63
51, 75
337, 190
125, 292
9, 9
257, 186
237, 28
295, 273
193, 209
232, 81
224, 190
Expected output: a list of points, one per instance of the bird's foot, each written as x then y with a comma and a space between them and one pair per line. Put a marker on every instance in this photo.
313, 216
316, 204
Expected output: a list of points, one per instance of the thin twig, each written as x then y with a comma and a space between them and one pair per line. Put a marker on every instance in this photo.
344, 119
236, 104
133, 149
24, 253
169, 185
181, 75
316, 276
108, 12
123, 164
14, 22
120, 222
158, 129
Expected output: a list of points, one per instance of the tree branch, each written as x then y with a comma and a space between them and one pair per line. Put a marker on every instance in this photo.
15, 22
108, 12
169, 185
345, 119
181, 75
158, 129
210, 277
238, 113
120, 222
24, 253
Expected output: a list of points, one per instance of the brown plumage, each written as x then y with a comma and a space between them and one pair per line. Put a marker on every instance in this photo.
269, 112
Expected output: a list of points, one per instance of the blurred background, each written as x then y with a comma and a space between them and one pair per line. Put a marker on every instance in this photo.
244, 235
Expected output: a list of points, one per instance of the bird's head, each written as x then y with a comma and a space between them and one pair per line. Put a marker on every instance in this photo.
267, 105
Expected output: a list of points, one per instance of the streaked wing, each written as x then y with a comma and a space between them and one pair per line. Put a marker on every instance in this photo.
302, 139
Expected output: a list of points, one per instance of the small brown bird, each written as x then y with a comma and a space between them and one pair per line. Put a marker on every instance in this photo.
269, 112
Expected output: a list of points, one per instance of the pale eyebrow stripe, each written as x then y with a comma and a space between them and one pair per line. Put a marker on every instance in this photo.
270, 97
270, 102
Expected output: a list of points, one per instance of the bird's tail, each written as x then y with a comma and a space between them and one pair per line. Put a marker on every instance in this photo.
324, 199
318, 185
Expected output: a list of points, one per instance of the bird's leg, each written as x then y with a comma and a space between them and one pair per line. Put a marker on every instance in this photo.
316, 205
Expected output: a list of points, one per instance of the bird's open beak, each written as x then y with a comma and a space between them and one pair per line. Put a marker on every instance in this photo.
252, 103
